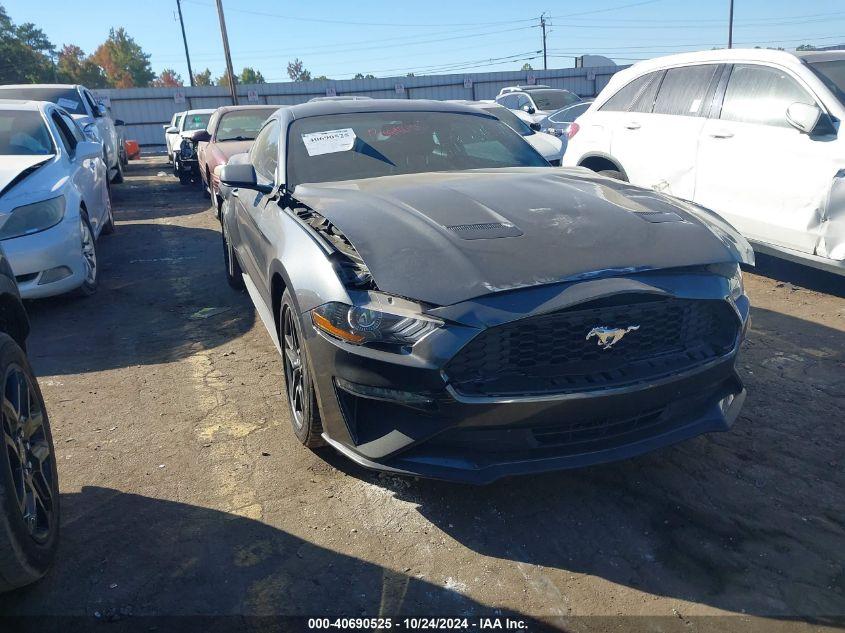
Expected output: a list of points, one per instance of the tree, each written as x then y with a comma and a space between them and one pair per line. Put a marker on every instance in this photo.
321, 78
297, 71
203, 78
362, 76
527, 66
124, 62
251, 76
222, 80
75, 67
168, 78
25, 52
805, 47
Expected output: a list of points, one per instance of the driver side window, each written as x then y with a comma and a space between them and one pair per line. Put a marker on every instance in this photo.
761, 95
264, 155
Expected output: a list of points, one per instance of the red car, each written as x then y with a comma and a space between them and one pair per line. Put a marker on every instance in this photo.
231, 130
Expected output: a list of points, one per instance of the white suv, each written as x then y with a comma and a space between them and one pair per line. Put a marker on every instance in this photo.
534, 103
752, 134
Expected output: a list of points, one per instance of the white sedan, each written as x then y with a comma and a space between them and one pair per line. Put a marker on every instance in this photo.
54, 199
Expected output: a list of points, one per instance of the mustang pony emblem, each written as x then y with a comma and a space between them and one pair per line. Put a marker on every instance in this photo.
608, 336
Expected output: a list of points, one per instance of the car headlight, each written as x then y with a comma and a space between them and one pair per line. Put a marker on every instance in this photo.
361, 325
733, 273
32, 218
186, 149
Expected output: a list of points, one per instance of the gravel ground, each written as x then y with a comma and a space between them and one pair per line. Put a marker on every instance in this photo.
185, 492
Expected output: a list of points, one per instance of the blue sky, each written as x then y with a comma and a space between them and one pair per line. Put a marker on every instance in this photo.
339, 38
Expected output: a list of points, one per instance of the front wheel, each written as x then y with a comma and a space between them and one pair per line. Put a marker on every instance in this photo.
89, 257
118, 175
234, 275
304, 414
29, 484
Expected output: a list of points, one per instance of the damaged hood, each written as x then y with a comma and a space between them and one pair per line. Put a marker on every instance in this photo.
447, 237
13, 169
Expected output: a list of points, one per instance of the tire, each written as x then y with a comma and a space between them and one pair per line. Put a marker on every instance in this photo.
108, 227
184, 179
299, 385
206, 186
89, 257
234, 274
29, 483
118, 176
612, 173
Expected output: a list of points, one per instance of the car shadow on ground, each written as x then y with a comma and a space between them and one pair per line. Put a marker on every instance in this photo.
799, 275
748, 521
163, 296
115, 547
151, 191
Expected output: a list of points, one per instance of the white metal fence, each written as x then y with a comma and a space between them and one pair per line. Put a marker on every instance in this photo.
145, 110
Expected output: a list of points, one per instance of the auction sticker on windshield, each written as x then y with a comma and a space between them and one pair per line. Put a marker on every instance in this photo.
329, 142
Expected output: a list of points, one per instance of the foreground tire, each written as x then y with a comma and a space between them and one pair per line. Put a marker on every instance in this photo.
612, 173
304, 414
118, 176
89, 258
234, 274
108, 227
29, 484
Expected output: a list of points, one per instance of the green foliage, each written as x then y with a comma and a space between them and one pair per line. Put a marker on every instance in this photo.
363, 76
75, 67
203, 78
297, 71
527, 66
25, 53
251, 76
124, 62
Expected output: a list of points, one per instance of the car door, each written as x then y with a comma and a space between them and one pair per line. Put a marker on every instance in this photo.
656, 143
764, 176
106, 127
84, 172
253, 207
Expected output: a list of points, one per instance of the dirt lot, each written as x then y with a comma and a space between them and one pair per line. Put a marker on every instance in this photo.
185, 492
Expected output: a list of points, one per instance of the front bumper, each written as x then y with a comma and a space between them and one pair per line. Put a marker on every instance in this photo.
32, 256
404, 417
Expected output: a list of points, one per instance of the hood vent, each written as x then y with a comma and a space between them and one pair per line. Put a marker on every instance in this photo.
485, 231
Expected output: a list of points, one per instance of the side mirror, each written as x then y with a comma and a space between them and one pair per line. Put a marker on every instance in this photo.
101, 110
171, 130
242, 175
119, 122
88, 149
535, 126
527, 108
198, 136
803, 117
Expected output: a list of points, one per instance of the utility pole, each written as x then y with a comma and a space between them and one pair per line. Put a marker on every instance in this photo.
185, 41
543, 26
229, 70
731, 26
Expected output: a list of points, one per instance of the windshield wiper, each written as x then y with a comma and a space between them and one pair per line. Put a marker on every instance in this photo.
237, 138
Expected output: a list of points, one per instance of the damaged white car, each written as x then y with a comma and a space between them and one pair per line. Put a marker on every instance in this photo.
754, 135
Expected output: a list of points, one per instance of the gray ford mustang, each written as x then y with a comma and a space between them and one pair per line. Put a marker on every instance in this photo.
449, 305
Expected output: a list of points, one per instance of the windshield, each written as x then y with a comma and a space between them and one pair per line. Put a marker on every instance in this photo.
196, 121
568, 115
243, 125
373, 144
510, 119
832, 73
67, 98
553, 99
24, 133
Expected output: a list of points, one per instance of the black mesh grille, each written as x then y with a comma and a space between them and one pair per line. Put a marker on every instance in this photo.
551, 353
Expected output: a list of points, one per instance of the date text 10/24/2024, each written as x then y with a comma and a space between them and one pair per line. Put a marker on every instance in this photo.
419, 623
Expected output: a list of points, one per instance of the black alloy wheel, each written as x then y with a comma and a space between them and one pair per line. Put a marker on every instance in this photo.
29, 485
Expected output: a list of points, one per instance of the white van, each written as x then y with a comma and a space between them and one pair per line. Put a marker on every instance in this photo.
755, 135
